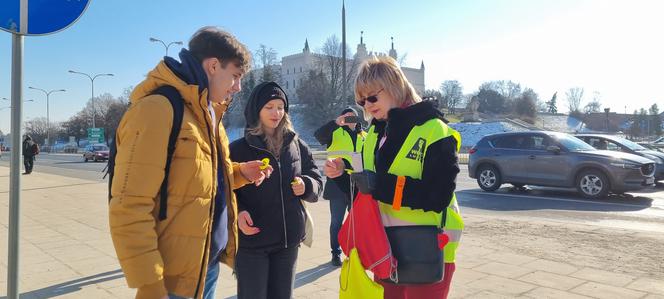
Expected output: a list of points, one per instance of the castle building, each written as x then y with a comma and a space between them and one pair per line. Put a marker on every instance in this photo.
294, 67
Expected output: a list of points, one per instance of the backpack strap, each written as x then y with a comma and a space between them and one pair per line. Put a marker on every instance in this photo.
174, 97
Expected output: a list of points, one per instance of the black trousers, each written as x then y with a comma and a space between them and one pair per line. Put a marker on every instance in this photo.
29, 163
263, 274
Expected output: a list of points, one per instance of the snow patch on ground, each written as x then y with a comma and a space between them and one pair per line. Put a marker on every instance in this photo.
471, 133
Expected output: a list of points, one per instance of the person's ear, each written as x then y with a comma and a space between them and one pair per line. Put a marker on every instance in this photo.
211, 65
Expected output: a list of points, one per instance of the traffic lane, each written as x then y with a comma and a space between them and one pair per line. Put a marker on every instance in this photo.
633, 216
66, 165
649, 196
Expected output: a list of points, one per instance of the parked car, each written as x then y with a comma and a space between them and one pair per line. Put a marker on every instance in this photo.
658, 143
96, 152
649, 146
556, 160
616, 143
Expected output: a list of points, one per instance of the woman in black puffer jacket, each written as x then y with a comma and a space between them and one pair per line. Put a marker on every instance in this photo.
271, 216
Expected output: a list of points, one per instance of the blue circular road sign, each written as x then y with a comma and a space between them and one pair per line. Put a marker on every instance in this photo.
39, 17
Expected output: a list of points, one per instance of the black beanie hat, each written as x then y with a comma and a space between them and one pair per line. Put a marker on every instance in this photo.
262, 94
348, 109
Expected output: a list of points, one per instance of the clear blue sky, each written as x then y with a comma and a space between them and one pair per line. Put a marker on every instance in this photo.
613, 47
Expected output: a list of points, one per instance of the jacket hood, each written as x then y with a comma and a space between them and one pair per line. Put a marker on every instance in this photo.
260, 95
415, 114
188, 77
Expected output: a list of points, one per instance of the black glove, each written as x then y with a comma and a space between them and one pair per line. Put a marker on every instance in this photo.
365, 181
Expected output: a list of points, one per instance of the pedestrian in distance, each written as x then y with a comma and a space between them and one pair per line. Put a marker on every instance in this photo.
30, 150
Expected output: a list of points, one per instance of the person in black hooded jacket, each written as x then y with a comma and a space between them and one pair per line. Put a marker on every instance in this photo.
271, 216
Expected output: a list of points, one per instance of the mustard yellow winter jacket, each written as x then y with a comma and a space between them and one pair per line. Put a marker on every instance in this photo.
169, 256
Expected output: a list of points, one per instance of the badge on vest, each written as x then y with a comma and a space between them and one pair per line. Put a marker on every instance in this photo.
417, 152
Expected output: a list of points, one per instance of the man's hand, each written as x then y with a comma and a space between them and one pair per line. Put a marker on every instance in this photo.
252, 171
334, 167
298, 186
246, 224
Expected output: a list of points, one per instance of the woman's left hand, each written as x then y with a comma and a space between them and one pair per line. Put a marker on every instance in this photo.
298, 186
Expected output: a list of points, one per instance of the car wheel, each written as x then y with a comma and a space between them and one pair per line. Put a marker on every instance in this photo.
488, 177
592, 184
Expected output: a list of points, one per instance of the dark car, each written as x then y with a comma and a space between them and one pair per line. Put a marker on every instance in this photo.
96, 152
616, 143
556, 160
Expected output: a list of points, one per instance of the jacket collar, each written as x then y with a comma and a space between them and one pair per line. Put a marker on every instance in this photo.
413, 115
188, 78
259, 142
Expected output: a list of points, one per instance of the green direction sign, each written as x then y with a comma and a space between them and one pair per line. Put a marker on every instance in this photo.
95, 135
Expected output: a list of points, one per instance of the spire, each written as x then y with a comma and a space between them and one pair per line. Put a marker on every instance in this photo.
393, 52
306, 46
422, 65
361, 52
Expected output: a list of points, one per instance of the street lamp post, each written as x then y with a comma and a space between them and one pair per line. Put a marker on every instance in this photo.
48, 115
92, 82
166, 46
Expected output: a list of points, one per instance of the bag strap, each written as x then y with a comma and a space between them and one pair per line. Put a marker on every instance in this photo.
174, 97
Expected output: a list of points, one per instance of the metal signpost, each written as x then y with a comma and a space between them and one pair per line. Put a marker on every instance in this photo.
21, 18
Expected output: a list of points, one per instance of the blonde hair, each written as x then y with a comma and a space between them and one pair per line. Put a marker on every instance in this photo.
384, 73
276, 141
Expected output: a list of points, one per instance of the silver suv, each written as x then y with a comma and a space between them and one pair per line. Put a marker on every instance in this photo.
556, 160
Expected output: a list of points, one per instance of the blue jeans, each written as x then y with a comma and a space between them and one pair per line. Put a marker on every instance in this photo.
338, 208
210, 283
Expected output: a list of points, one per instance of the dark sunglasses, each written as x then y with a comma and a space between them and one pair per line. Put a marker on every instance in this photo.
372, 99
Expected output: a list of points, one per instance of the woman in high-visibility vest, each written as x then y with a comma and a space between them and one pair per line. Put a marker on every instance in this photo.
413, 154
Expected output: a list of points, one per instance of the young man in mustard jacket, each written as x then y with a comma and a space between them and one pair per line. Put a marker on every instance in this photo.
178, 257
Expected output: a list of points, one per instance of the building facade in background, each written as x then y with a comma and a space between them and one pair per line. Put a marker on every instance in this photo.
294, 67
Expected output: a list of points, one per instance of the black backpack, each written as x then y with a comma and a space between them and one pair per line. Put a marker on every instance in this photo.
177, 102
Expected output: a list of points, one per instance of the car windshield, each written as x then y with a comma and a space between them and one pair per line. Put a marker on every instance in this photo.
630, 144
99, 148
571, 143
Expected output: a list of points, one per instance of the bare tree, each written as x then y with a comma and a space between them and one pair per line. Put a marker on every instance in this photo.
36, 128
402, 58
331, 63
267, 57
452, 94
526, 105
574, 98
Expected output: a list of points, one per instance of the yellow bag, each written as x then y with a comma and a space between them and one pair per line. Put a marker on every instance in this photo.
354, 282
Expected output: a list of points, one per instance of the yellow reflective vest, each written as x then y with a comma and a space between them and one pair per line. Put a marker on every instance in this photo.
409, 162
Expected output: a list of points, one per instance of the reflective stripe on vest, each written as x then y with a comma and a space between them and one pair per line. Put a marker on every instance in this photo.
342, 142
410, 162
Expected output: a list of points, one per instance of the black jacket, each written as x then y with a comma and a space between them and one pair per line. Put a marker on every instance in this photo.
29, 148
273, 206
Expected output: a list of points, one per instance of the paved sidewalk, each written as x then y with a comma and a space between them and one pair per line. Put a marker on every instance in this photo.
66, 252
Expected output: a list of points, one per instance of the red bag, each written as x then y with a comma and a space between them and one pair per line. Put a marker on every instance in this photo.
363, 229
